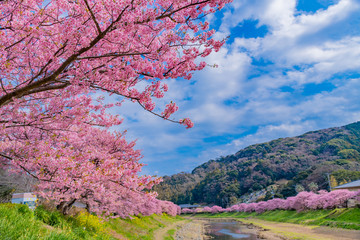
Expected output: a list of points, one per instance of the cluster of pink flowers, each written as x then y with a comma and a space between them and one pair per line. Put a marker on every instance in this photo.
187, 122
301, 202
149, 207
170, 109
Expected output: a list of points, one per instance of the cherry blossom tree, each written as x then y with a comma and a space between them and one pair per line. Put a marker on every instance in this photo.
187, 211
216, 209
207, 209
301, 202
56, 56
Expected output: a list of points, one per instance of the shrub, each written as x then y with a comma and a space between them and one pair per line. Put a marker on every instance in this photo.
52, 218
89, 222
25, 210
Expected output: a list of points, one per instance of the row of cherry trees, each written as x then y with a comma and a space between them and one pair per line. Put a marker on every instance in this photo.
301, 202
56, 56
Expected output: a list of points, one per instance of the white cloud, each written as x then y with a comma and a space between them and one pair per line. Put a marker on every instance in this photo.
279, 14
289, 39
311, 23
268, 132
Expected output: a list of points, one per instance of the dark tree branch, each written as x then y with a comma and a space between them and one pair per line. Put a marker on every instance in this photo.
93, 17
23, 90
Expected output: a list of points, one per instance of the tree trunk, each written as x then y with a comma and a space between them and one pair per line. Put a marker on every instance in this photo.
87, 207
64, 207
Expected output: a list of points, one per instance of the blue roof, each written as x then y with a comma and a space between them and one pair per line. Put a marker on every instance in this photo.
188, 206
349, 185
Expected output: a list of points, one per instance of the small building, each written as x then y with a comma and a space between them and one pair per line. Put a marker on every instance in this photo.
351, 186
25, 198
189, 206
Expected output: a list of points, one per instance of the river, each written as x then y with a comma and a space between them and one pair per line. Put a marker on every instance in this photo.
228, 230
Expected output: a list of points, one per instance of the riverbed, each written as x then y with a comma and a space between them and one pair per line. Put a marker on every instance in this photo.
222, 229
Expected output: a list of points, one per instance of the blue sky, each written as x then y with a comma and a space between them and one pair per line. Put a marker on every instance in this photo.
289, 67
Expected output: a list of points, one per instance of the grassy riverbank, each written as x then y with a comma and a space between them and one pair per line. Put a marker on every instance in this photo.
19, 222
340, 218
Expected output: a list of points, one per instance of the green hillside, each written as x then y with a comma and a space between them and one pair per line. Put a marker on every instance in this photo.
284, 164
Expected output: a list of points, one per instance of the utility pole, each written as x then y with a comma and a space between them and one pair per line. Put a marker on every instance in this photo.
328, 177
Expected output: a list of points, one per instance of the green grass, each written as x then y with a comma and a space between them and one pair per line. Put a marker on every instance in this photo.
342, 218
141, 227
18, 222
170, 234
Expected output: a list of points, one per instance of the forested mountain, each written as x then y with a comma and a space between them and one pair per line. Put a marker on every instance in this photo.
279, 167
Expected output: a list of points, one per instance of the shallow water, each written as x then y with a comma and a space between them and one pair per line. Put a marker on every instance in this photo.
227, 231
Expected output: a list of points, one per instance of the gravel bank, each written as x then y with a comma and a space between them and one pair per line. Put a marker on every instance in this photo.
191, 231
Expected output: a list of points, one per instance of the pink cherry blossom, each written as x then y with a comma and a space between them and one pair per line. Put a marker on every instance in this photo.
57, 57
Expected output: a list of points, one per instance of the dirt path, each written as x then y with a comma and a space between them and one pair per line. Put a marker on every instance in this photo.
297, 231
161, 233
